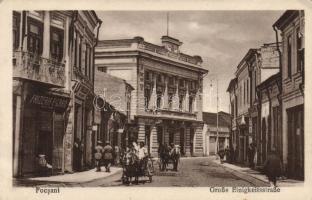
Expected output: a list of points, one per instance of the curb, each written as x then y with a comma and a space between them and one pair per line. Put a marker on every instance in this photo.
242, 175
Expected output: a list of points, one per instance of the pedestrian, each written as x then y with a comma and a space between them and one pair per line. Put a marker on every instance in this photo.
107, 156
273, 167
251, 155
142, 155
77, 151
98, 155
227, 154
221, 155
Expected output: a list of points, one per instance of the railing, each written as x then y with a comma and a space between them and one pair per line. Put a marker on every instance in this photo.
175, 113
30, 66
162, 51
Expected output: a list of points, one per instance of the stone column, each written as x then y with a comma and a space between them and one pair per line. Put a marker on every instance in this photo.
17, 124
186, 100
166, 134
153, 141
187, 141
175, 98
153, 99
66, 56
46, 35
141, 132
165, 96
198, 140
177, 134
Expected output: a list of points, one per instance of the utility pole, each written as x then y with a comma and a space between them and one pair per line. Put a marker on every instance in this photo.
217, 141
167, 23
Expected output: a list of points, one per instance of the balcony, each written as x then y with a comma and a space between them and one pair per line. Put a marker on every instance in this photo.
171, 114
32, 67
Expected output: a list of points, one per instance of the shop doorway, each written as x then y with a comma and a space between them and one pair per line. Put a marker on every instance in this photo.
192, 133
182, 140
295, 117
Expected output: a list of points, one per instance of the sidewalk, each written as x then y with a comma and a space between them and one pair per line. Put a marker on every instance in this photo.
67, 179
258, 175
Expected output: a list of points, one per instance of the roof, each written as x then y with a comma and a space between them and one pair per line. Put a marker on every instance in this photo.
211, 118
269, 80
231, 84
286, 18
99, 75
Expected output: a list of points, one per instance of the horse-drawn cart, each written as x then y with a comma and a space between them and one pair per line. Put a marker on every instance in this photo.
169, 156
134, 168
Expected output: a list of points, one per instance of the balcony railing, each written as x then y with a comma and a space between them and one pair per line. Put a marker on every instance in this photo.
176, 114
162, 51
30, 66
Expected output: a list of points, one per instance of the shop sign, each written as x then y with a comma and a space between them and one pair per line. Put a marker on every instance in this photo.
48, 101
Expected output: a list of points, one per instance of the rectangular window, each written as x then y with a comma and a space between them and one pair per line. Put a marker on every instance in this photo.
300, 55
191, 104
147, 76
244, 92
35, 36
181, 98
289, 52
147, 94
76, 51
170, 101
171, 81
80, 53
90, 63
16, 30
247, 91
57, 43
86, 61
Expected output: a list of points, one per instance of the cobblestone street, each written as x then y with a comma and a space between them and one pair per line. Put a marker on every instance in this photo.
193, 172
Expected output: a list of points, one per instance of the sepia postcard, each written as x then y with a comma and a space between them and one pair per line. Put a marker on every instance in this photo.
155, 100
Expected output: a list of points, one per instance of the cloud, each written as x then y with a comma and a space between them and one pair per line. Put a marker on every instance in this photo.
222, 38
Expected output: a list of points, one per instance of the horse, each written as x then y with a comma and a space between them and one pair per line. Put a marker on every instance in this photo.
166, 155
163, 157
130, 167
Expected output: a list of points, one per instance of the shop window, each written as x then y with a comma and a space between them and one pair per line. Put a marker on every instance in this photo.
16, 30
35, 36
57, 43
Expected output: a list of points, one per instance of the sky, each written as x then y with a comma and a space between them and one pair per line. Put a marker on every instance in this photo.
221, 38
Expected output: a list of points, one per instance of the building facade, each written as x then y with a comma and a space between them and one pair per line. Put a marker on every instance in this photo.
216, 128
52, 88
114, 110
269, 136
166, 104
291, 24
256, 66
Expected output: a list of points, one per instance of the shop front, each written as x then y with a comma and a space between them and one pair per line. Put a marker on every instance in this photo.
43, 131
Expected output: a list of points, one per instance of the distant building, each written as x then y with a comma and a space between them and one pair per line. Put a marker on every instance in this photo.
112, 113
214, 128
291, 24
166, 103
256, 66
53, 72
269, 136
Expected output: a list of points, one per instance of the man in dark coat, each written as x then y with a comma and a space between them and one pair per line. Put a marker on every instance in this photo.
107, 156
273, 167
98, 155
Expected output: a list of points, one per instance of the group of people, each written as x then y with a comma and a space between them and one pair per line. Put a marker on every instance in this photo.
139, 151
272, 167
103, 155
